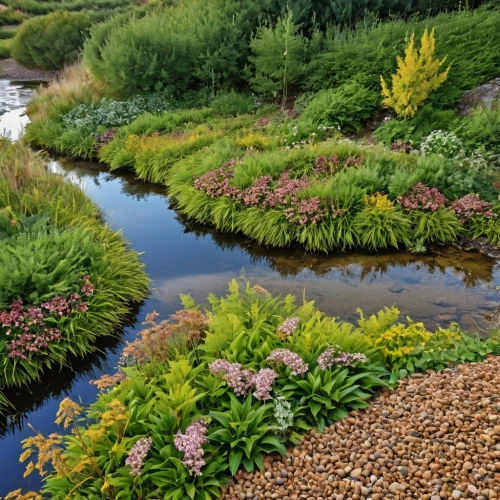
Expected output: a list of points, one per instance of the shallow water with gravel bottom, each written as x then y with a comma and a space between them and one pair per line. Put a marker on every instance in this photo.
439, 287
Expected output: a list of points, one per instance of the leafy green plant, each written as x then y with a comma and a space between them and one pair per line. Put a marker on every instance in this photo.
347, 107
328, 395
242, 432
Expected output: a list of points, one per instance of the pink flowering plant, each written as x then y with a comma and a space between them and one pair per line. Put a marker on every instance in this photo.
26, 331
470, 207
422, 197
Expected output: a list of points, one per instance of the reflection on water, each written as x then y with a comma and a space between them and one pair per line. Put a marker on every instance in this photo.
182, 257
13, 99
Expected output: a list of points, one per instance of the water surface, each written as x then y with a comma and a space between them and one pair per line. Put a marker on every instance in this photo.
442, 286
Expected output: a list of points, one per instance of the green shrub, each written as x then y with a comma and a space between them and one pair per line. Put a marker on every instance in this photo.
43, 7
481, 129
232, 104
278, 57
51, 41
347, 107
41, 263
415, 129
200, 44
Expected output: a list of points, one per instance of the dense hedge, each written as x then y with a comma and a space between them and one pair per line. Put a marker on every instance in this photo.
52, 41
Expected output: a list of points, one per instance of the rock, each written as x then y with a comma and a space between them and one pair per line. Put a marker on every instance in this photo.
446, 317
483, 95
442, 302
395, 488
356, 473
396, 288
487, 305
472, 489
403, 471
456, 494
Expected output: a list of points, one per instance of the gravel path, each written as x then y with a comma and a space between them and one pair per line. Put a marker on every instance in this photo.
436, 437
10, 70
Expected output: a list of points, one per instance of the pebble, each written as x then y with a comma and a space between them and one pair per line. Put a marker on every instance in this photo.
437, 437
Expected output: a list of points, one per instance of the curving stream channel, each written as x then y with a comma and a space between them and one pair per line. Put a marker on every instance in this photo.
181, 257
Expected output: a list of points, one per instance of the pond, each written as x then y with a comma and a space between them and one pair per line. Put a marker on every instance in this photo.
438, 287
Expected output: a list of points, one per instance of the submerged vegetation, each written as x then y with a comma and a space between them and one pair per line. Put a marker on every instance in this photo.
216, 389
65, 277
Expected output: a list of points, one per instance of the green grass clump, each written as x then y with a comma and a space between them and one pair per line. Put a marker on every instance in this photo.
9, 17
51, 235
6, 33
5, 48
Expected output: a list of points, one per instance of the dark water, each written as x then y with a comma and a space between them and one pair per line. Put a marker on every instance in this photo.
436, 288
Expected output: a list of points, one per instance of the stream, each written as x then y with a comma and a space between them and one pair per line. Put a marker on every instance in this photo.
438, 287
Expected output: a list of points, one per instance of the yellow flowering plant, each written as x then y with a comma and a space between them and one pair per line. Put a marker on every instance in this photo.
379, 201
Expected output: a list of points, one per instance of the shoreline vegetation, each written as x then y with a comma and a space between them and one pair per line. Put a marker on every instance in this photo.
215, 390
66, 277
308, 173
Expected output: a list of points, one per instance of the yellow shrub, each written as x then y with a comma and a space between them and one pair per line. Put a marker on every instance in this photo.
417, 76
399, 340
155, 142
253, 141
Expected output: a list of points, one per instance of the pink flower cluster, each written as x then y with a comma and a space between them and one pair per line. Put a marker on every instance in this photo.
217, 182
401, 147
137, 455
27, 325
423, 198
332, 164
288, 327
308, 211
242, 380
335, 356
191, 443
263, 382
326, 165
286, 190
291, 359
29, 342
469, 206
